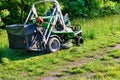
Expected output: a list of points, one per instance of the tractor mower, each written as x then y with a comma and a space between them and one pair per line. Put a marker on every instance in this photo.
44, 32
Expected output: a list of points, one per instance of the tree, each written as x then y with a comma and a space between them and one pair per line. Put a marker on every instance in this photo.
12, 10
90, 8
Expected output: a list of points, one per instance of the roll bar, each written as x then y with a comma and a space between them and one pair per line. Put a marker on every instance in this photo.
55, 1
33, 9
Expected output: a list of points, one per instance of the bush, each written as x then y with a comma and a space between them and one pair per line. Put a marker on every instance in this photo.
108, 8
90, 8
74, 8
3, 14
5, 61
117, 8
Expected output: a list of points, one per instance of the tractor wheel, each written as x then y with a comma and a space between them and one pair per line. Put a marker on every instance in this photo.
79, 41
53, 44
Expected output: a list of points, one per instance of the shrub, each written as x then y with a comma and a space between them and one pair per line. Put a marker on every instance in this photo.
3, 14
5, 61
117, 8
90, 8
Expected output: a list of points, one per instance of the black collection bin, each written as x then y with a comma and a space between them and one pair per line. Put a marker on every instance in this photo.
17, 35
16, 41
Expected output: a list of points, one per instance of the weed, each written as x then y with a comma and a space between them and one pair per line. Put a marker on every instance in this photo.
36, 73
68, 58
115, 54
105, 58
89, 55
60, 74
98, 75
75, 50
112, 44
93, 66
75, 70
5, 61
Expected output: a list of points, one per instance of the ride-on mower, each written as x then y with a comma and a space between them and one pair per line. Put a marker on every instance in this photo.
48, 32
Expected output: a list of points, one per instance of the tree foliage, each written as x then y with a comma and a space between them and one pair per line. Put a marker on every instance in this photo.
10, 10
90, 8
3, 14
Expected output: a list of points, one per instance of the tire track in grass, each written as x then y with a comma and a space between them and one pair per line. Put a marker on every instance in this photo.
62, 73
117, 47
95, 58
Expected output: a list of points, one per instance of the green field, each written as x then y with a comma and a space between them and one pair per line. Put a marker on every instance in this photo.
97, 59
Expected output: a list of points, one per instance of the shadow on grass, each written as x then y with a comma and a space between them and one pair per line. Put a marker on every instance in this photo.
14, 54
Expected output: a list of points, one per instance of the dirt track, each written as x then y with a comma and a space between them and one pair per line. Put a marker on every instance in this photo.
117, 47
79, 62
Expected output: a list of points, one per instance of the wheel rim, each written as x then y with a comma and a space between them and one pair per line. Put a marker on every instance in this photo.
55, 45
81, 40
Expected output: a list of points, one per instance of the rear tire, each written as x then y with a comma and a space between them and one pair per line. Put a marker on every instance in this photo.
53, 44
79, 41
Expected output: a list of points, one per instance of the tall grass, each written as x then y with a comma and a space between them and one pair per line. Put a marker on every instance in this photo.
3, 42
99, 27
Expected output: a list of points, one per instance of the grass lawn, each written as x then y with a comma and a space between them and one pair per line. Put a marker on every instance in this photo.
97, 59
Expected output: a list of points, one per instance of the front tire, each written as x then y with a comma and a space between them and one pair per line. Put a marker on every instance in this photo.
53, 44
79, 41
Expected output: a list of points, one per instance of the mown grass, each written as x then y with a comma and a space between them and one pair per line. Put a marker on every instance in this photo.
98, 33
101, 69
